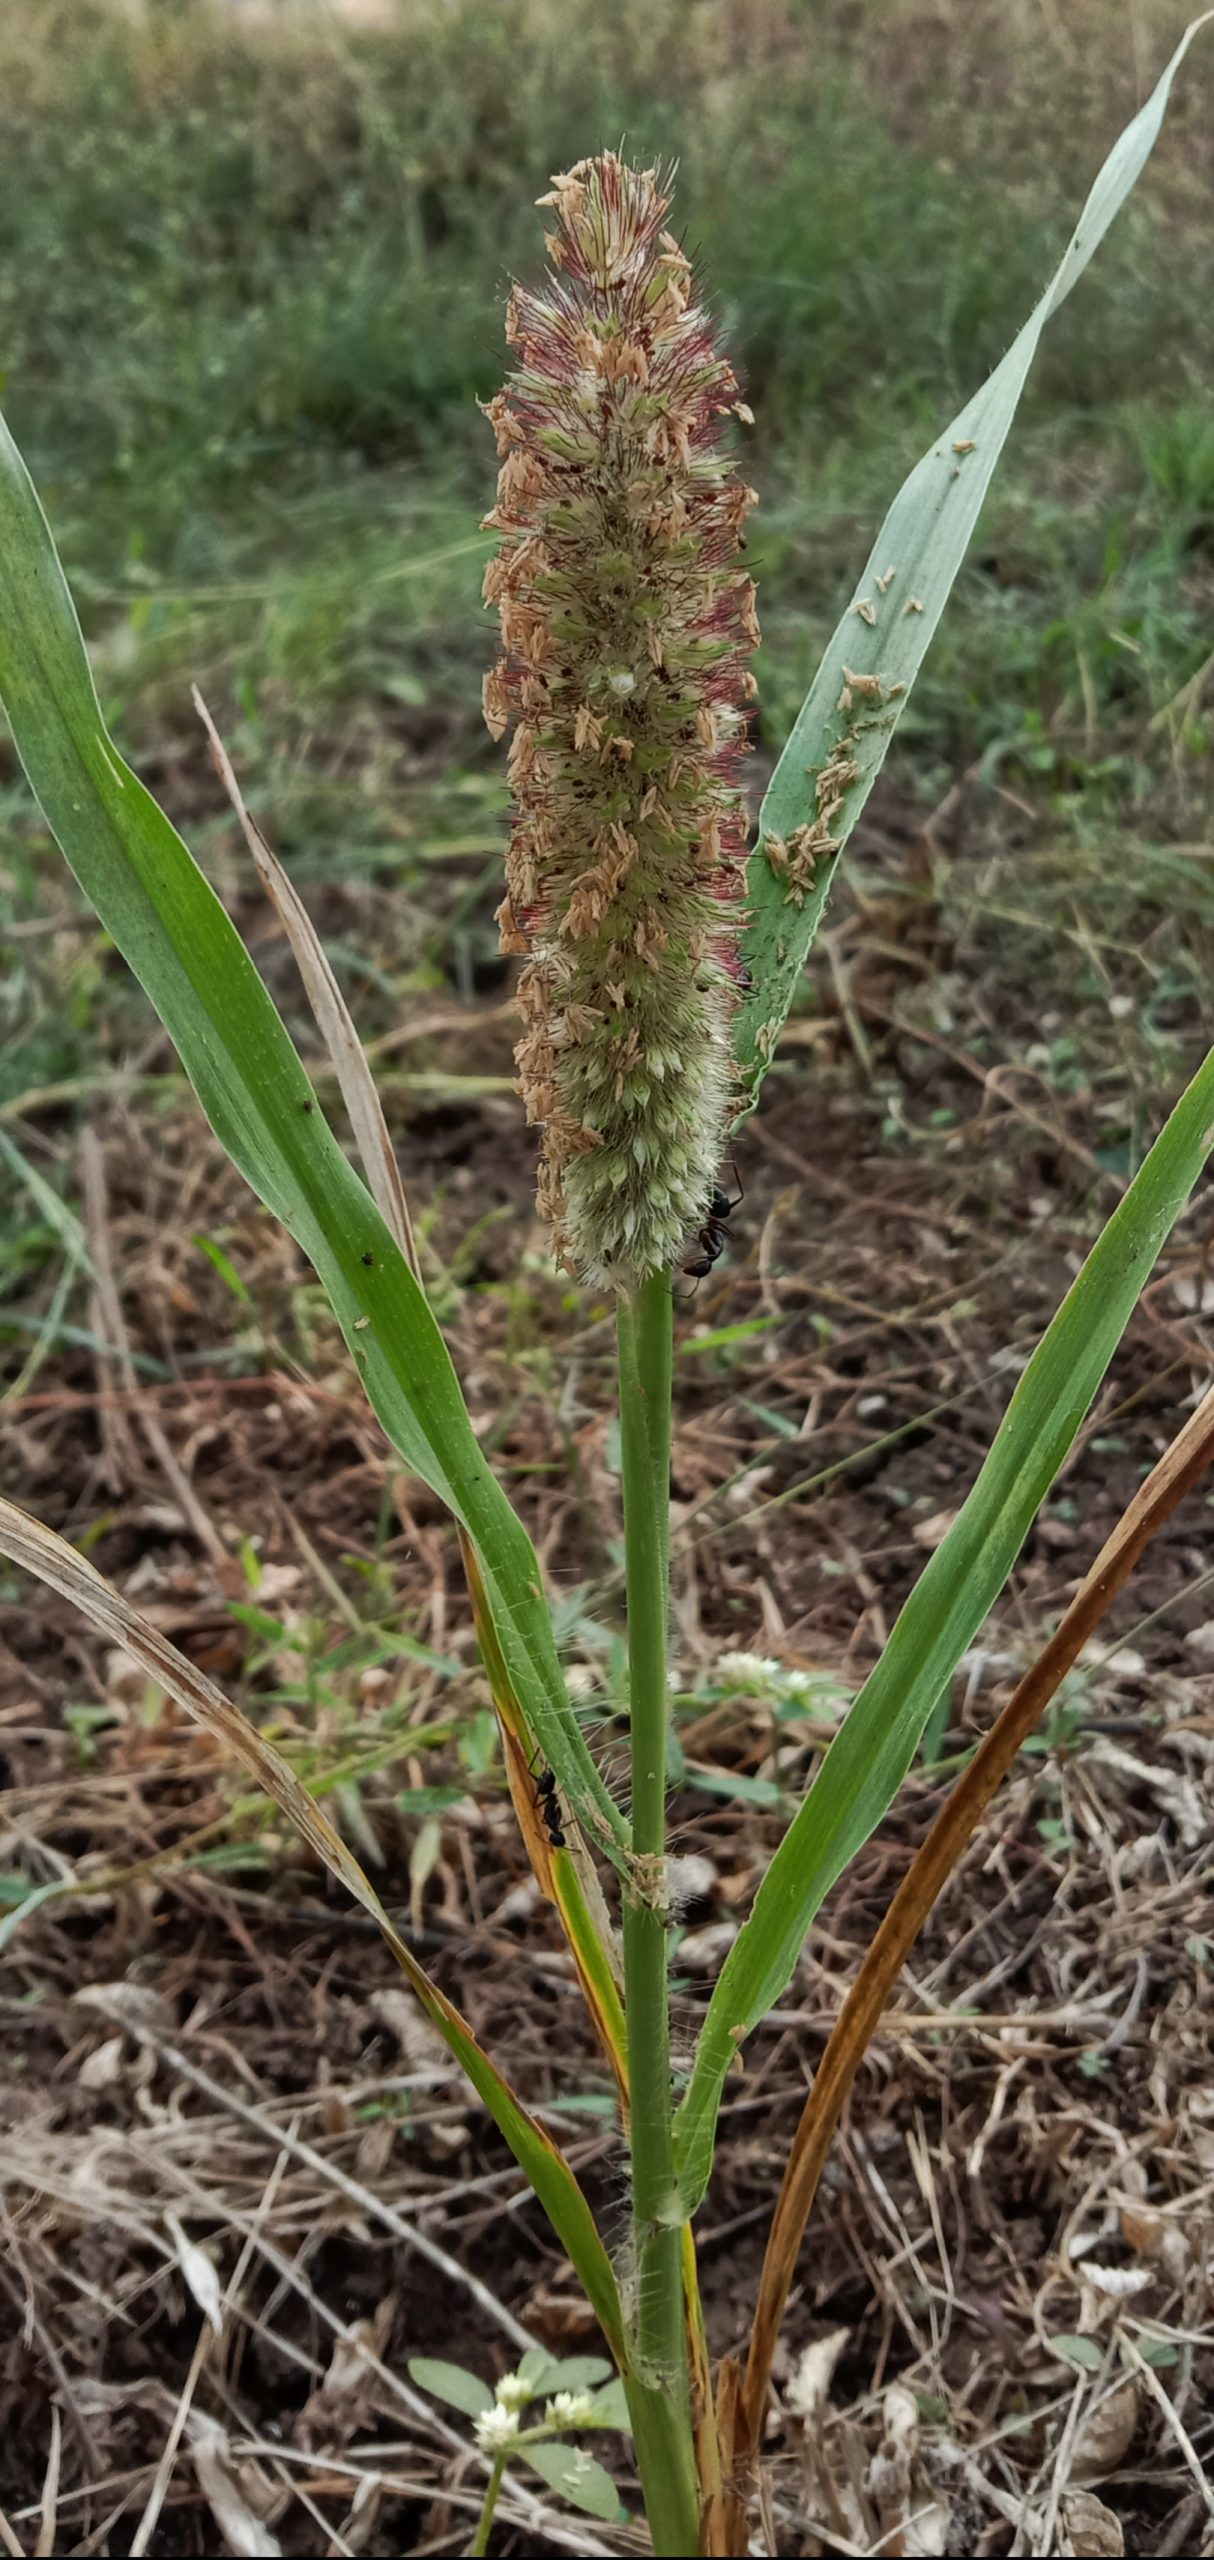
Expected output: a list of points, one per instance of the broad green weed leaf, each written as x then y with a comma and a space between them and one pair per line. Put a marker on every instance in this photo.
450, 2382
546, 2374
841, 735
1085, 2353
580, 2479
609, 2407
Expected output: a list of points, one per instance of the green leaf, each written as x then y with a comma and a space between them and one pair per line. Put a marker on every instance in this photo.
222, 1263
723, 1336
872, 1751
736, 1786
905, 586
546, 2374
609, 2407
450, 2382
28, 1899
1083, 2352
252, 1084
581, 2480
62, 1220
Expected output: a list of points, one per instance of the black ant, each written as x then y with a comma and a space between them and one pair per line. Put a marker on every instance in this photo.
711, 1237
549, 1803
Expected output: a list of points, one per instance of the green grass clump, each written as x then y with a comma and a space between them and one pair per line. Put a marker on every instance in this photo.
248, 294
249, 287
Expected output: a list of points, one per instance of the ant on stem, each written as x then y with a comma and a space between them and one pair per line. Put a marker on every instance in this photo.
549, 1802
711, 1237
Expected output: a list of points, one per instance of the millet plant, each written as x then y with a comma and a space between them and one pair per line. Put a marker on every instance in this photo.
659, 961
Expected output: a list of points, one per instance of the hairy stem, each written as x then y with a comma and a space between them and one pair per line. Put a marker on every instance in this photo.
665, 2452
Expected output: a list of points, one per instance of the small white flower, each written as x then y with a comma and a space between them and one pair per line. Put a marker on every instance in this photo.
746, 1671
568, 2408
495, 2427
512, 2391
815, 1692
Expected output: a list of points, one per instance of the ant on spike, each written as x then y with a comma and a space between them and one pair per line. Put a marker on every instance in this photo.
549, 1804
711, 1237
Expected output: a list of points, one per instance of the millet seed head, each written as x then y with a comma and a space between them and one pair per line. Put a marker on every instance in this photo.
626, 625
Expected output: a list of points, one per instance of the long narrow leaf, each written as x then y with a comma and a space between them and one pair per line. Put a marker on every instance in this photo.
1182, 1465
39, 1551
872, 1751
330, 1012
839, 742
578, 1904
186, 953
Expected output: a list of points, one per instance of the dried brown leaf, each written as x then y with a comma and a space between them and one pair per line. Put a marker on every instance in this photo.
1105, 2437
1090, 2530
230, 2490
808, 2388
200, 2272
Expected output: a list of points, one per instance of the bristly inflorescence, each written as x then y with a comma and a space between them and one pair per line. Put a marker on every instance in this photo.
626, 628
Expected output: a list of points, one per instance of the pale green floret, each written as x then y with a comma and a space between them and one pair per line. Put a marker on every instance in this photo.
568, 2408
631, 1204
495, 2428
746, 1672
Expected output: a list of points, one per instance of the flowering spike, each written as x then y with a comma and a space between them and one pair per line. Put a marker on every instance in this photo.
626, 625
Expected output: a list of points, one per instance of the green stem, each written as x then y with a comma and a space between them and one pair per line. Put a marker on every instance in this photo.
480, 2543
662, 2403
666, 2460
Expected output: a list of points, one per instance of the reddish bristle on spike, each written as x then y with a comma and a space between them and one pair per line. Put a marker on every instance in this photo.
627, 624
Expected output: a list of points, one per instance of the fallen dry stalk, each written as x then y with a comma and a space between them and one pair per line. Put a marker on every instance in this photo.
741, 2410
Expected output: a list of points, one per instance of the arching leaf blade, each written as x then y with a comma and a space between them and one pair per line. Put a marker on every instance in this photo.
843, 730
872, 1751
182, 946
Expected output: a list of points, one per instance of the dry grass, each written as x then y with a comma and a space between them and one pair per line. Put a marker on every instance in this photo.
218, 2061
243, 2185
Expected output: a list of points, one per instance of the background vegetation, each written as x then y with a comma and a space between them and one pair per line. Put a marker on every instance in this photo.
250, 294
252, 268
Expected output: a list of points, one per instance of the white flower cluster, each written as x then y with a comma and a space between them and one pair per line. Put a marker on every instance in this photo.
495, 2427
498, 2426
759, 1675
568, 2409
